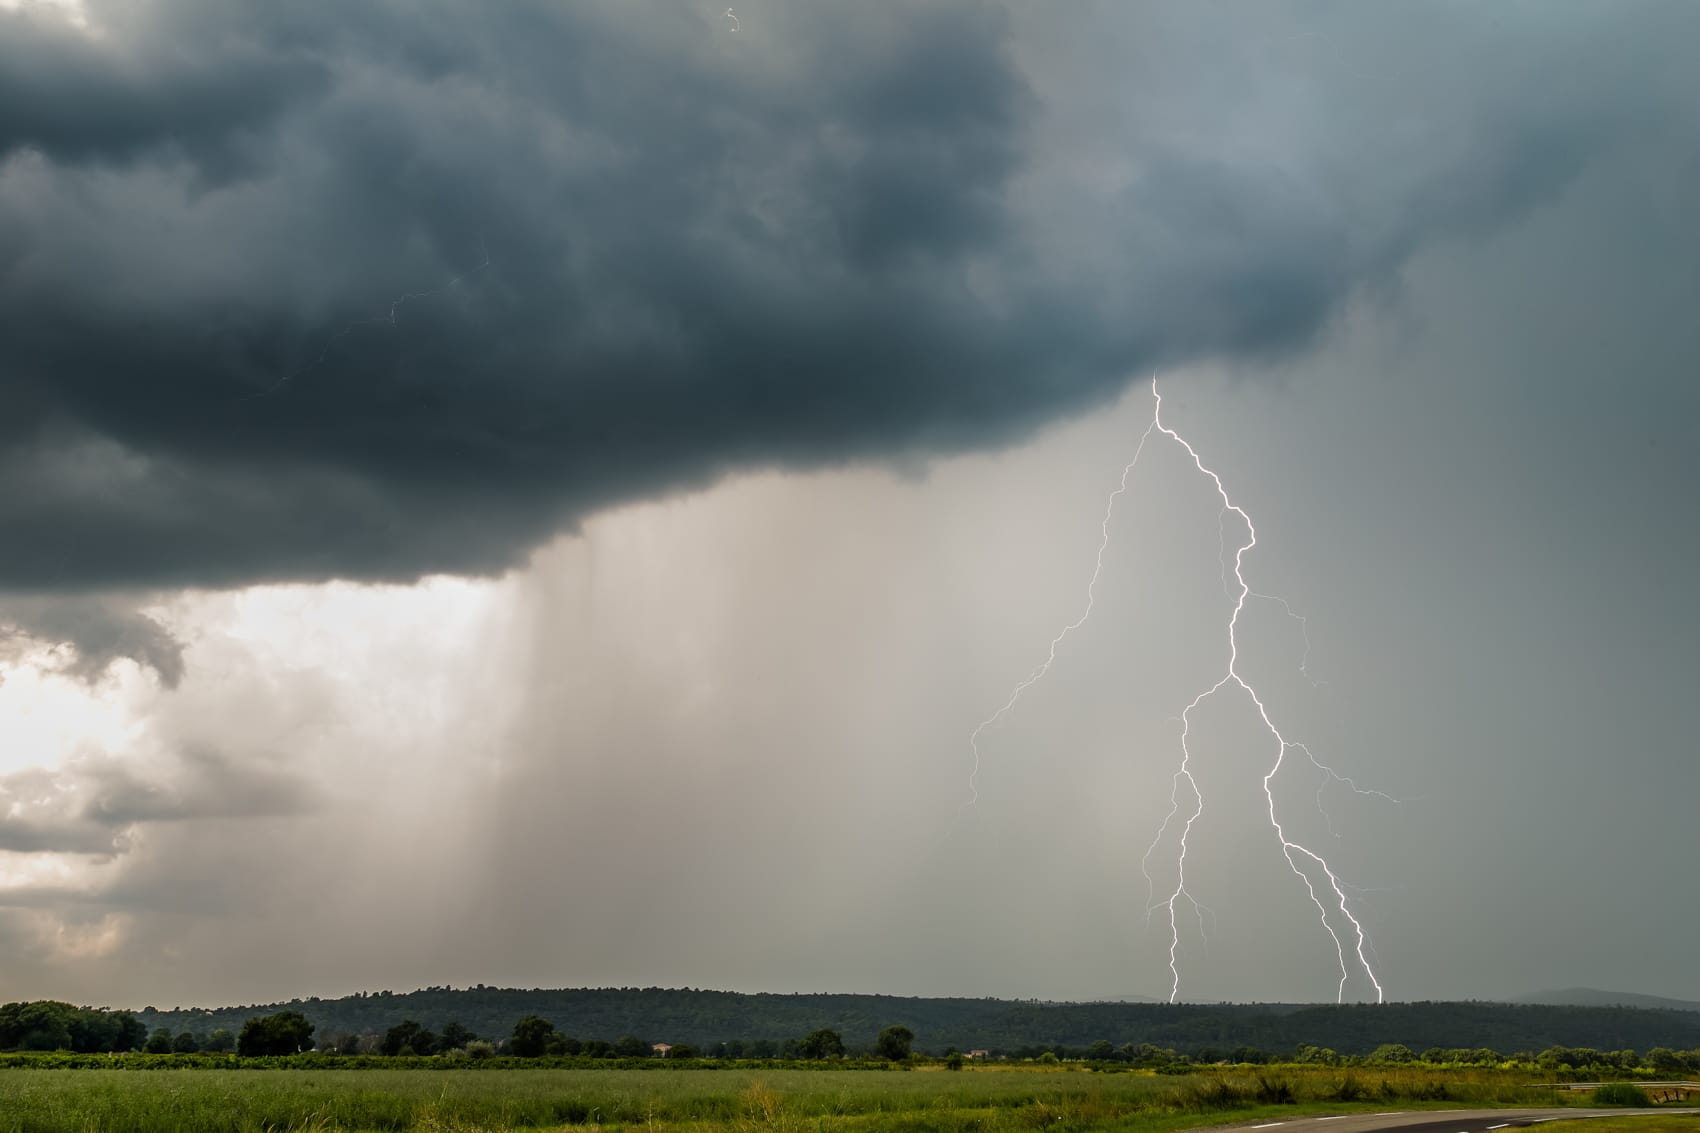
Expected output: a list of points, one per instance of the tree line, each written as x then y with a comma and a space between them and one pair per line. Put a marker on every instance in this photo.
732, 1025
48, 1025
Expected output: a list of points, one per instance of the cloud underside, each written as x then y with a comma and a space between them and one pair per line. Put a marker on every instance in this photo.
98, 630
312, 291
92, 804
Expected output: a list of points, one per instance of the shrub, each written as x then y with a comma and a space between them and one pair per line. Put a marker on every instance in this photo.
1214, 1094
1621, 1093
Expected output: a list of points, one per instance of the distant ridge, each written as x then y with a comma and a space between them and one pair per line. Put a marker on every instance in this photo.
704, 1019
1594, 997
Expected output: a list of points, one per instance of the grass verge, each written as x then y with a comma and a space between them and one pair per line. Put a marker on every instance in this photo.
982, 1100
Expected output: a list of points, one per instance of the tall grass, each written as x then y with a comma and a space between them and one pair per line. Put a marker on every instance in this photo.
988, 1099
1621, 1093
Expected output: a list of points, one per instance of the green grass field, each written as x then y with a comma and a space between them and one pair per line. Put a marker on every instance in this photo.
986, 1099
1642, 1122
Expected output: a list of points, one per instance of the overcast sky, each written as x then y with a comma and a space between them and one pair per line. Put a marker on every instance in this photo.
543, 493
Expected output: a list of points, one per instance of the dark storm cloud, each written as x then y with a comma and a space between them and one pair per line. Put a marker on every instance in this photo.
316, 290
74, 97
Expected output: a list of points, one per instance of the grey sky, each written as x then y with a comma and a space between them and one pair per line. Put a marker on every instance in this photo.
784, 372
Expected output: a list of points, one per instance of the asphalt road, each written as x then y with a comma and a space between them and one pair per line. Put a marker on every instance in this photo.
1434, 1120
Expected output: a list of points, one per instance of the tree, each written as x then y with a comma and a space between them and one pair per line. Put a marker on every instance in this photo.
894, 1043
531, 1037
630, 1046
454, 1036
340, 1042
287, 1032
1102, 1051
953, 1059
1663, 1059
131, 1032
40, 1025
159, 1042
823, 1043
407, 1037
185, 1043
682, 1050
221, 1041
94, 1030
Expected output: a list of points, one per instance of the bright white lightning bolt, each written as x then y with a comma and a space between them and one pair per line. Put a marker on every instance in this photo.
1038, 674
734, 18
1293, 851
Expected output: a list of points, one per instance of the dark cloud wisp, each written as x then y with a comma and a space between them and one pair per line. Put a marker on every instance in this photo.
332, 290
94, 804
98, 631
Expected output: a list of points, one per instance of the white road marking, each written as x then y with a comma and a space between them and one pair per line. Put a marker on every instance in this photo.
1336, 1117
1270, 1125
1505, 1125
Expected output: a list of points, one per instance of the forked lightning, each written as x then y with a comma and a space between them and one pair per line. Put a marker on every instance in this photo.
1321, 882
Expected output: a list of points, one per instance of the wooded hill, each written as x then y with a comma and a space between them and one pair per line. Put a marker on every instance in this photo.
705, 1019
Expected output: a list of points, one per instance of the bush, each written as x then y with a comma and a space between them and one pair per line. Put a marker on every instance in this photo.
1215, 1094
1621, 1093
